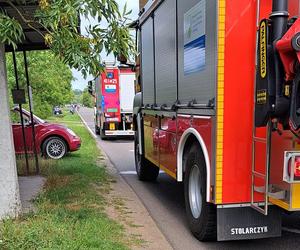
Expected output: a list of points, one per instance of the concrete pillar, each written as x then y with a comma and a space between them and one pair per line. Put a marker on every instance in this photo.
10, 204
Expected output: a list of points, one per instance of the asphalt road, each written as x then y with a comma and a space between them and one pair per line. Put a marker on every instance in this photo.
165, 203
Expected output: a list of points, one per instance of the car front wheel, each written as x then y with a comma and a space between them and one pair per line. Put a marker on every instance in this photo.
54, 148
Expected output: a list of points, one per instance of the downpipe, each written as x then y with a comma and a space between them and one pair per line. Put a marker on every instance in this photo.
279, 17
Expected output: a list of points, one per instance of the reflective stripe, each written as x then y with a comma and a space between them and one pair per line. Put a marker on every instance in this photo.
220, 103
119, 132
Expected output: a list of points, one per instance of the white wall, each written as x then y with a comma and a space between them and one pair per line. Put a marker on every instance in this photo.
9, 187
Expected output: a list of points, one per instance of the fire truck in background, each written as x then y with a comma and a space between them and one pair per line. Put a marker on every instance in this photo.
114, 94
219, 110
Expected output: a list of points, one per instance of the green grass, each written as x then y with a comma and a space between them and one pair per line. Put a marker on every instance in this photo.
70, 211
66, 117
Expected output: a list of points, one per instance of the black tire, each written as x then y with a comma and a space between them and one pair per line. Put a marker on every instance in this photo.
296, 42
54, 142
102, 135
97, 130
146, 171
202, 217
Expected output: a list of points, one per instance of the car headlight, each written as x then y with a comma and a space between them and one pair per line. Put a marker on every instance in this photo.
70, 131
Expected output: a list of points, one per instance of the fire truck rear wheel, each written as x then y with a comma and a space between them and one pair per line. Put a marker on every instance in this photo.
102, 134
201, 215
146, 170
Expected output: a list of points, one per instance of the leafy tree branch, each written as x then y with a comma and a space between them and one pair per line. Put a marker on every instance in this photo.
59, 26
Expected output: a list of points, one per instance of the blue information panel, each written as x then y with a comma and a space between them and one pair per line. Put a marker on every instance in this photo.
110, 75
110, 88
194, 39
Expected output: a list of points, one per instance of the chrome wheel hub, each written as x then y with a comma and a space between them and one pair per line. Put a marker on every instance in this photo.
55, 149
195, 196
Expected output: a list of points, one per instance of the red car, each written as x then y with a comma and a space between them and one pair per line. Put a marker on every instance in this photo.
52, 140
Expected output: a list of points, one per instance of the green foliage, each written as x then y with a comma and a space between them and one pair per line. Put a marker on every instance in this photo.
77, 93
10, 30
49, 77
60, 19
87, 99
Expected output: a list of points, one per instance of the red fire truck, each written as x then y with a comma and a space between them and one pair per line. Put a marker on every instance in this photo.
219, 110
114, 94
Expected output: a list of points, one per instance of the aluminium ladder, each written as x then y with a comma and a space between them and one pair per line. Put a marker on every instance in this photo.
260, 170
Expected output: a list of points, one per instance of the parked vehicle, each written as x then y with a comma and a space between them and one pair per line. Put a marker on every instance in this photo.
57, 110
204, 119
72, 109
114, 93
52, 140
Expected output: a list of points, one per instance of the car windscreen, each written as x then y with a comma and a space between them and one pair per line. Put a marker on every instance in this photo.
40, 120
27, 114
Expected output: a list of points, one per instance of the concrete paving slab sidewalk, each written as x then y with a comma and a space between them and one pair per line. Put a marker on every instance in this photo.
30, 187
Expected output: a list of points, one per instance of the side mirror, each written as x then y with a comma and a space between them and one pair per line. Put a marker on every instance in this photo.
90, 87
122, 59
32, 123
27, 123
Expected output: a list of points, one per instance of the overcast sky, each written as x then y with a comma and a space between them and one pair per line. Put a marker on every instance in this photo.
80, 82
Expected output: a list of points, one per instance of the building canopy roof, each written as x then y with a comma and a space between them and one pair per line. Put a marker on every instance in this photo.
21, 10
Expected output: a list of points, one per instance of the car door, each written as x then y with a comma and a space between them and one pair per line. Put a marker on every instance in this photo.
18, 135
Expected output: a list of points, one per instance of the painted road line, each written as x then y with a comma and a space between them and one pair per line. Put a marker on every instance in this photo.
134, 172
128, 172
88, 128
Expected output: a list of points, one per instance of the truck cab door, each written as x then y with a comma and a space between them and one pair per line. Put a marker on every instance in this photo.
151, 138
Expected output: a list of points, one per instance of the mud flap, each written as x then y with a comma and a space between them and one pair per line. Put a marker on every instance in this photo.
243, 223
